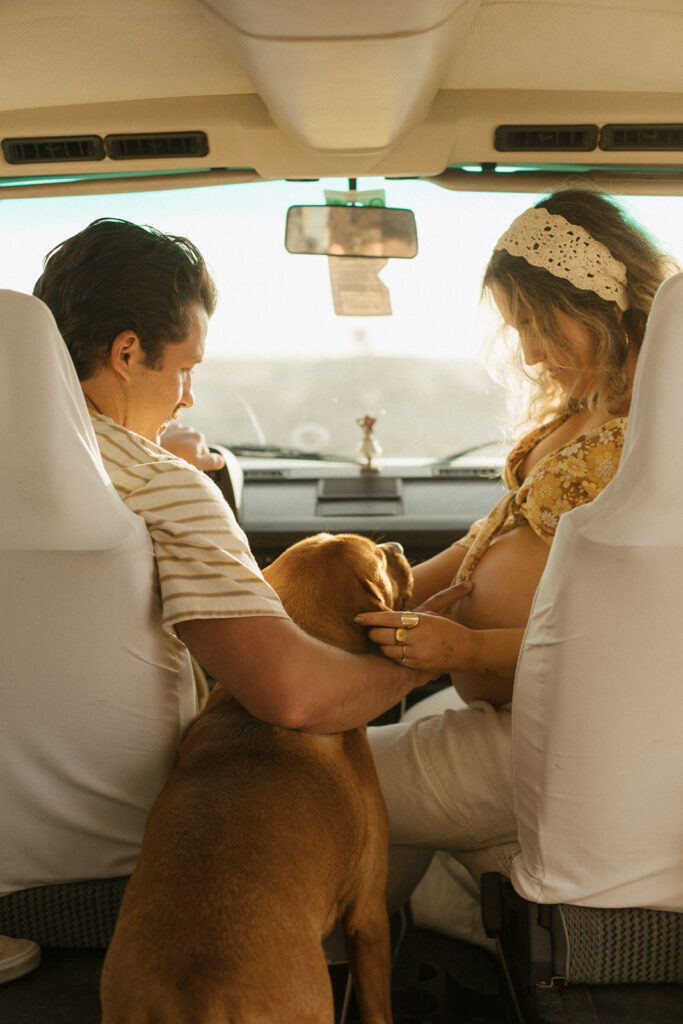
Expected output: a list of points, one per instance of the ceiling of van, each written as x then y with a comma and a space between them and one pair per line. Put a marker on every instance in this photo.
306, 88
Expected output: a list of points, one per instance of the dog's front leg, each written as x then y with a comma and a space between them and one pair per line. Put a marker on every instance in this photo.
368, 948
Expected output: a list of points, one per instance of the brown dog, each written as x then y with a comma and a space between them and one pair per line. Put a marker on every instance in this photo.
263, 838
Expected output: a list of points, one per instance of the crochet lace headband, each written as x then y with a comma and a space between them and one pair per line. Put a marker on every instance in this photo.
566, 250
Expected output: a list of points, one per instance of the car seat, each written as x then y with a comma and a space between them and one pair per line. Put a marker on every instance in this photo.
96, 696
596, 889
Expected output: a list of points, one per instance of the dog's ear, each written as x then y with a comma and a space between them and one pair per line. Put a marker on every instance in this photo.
401, 575
366, 596
376, 595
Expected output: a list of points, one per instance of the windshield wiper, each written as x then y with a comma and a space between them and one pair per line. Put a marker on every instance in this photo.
447, 459
276, 451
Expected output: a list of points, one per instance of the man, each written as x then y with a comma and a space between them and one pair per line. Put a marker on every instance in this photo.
133, 306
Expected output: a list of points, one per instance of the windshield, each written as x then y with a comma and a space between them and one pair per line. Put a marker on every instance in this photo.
280, 368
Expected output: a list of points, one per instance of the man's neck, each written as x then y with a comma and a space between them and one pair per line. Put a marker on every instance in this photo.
107, 399
102, 396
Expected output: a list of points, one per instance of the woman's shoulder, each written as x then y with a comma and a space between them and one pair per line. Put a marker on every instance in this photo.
584, 453
551, 444
571, 475
525, 445
609, 433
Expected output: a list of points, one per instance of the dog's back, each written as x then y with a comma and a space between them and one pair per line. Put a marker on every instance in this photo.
262, 839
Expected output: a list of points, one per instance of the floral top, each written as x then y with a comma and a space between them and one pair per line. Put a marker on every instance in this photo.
563, 479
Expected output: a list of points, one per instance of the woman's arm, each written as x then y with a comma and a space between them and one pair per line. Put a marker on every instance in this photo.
436, 573
480, 650
493, 660
483, 661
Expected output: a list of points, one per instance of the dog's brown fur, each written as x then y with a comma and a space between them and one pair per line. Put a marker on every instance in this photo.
263, 838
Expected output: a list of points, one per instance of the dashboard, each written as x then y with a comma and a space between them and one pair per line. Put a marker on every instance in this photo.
425, 507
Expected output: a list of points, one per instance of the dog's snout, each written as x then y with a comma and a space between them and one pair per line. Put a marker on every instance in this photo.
394, 545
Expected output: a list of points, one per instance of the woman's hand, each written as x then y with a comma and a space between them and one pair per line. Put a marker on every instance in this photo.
427, 638
190, 445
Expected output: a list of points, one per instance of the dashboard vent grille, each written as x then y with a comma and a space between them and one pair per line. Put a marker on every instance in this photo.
649, 137
534, 137
150, 145
53, 149
266, 474
466, 472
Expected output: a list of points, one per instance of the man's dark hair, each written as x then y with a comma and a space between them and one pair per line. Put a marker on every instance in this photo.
117, 276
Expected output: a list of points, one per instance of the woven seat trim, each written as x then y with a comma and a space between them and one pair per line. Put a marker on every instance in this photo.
613, 947
71, 915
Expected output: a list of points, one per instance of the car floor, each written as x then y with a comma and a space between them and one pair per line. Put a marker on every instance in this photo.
435, 981
64, 989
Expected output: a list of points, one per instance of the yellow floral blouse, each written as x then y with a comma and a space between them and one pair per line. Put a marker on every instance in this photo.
563, 479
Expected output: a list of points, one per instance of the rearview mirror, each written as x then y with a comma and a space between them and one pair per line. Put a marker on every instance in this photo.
374, 231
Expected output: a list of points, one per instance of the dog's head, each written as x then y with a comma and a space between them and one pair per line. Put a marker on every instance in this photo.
324, 580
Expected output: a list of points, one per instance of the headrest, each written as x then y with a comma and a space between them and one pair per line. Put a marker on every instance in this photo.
642, 504
55, 493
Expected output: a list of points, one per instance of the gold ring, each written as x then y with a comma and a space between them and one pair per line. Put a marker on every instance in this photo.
410, 620
404, 655
401, 636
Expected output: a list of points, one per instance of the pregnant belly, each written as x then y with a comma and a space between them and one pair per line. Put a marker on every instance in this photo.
505, 581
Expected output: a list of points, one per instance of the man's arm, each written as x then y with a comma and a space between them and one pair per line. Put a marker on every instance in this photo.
285, 677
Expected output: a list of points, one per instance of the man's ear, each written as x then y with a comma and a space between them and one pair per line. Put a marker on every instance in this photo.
125, 346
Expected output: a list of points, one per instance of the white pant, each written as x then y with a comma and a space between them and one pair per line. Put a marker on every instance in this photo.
445, 772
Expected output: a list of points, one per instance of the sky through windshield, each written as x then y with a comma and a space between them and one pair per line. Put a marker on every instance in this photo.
277, 307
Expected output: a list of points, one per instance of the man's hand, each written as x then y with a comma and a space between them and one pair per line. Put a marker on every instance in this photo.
190, 445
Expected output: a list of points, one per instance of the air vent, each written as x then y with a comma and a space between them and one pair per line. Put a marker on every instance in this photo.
515, 138
466, 472
648, 137
53, 149
266, 474
156, 145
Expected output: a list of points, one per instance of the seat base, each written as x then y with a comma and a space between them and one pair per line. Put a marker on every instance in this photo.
563, 962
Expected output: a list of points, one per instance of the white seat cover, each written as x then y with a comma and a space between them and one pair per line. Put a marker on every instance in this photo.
95, 696
598, 702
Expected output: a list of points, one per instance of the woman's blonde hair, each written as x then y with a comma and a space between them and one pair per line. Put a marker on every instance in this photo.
535, 295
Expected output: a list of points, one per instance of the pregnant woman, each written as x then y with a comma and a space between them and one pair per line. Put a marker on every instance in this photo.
575, 279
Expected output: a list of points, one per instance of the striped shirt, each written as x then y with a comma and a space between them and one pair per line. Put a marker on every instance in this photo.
205, 567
